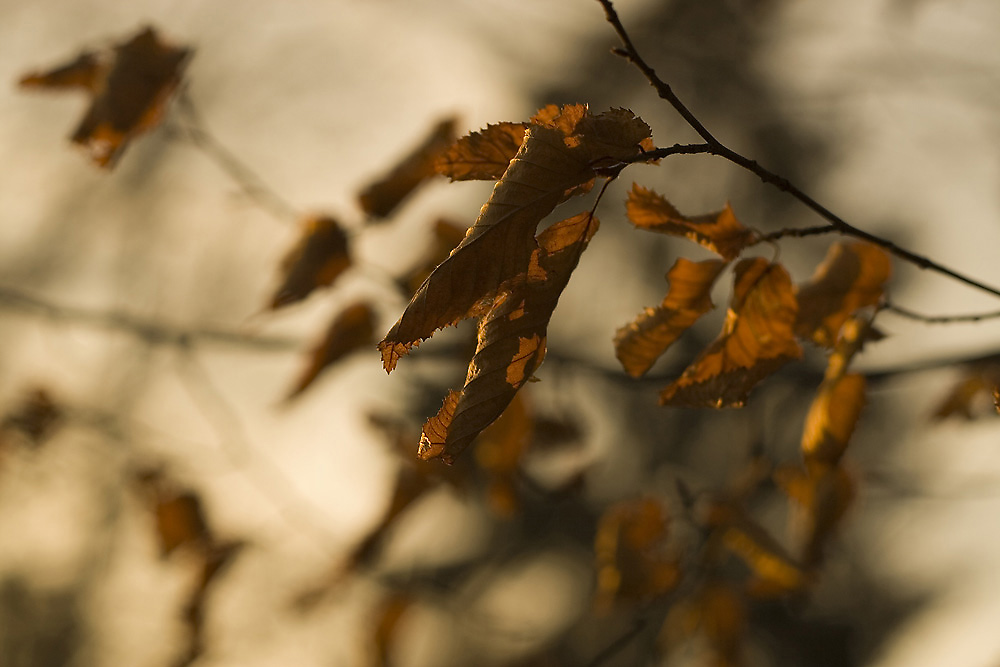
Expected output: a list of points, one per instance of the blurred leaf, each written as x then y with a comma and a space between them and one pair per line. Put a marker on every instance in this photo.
640, 343
179, 517
36, 416
499, 453
554, 162
969, 396
351, 330
321, 254
388, 615
482, 155
756, 340
716, 612
511, 342
130, 88
631, 557
824, 493
381, 197
852, 276
720, 232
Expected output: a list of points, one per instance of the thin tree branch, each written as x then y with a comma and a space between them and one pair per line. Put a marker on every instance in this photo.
715, 147
249, 181
150, 331
939, 319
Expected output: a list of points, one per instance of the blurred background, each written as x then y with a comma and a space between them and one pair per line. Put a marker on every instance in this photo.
147, 439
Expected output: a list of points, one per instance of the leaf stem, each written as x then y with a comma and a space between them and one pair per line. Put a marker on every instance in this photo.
715, 147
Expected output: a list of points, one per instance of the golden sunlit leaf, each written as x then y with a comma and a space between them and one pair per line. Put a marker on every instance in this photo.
129, 88
832, 418
775, 572
352, 329
720, 232
317, 259
631, 557
852, 276
554, 161
640, 343
482, 155
511, 341
757, 339
381, 198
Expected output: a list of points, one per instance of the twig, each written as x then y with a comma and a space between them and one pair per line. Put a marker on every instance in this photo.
715, 147
939, 319
250, 182
150, 331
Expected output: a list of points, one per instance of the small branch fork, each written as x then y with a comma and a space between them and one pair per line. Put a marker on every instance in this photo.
713, 146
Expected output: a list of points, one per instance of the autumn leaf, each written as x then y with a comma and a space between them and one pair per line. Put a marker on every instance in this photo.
351, 330
852, 276
756, 340
321, 254
720, 232
823, 493
381, 197
969, 395
447, 235
129, 87
630, 550
482, 155
499, 452
640, 343
775, 572
511, 342
717, 613
36, 416
555, 160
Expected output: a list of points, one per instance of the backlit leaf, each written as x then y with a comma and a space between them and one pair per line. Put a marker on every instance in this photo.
129, 87
381, 197
555, 160
482, 155
317, 259
720, 232
969, 397
640, 343
351, 330
824, 493
852, 276
775, 572
511, 342
832, 418
757, 339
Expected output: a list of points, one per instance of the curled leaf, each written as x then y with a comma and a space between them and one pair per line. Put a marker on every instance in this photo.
720, 232
381, 197
756, 340
129, 87
852, 276
351, 330
317, 259
555, 161
640, 343
482, 155
511, 342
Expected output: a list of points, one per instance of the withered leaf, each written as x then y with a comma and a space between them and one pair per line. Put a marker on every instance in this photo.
774, 570
555, 161
852, 276
381, 197
180, 519
632, 561
129, 87
482, 155
832, 418
511, 341
969, 397
756, 340
321, 254
447, 235
717, 613
352, 329
720, 232
641, 342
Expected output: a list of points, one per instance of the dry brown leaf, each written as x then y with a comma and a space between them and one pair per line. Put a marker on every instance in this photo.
774, 571
483, 155
129, 87
824, 493
632, 561
720, 232
640, 343
717, 613
969, 396
756, 340
352, 329
321, 254
499, 453
556, 160
511, 342
447, 236
381, 197
832, 418
852, 276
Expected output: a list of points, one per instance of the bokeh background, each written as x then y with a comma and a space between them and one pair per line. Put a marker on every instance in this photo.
884, 110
